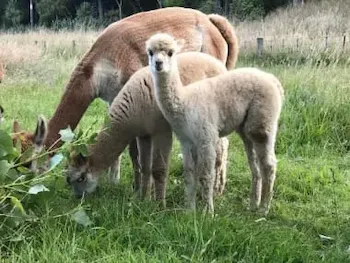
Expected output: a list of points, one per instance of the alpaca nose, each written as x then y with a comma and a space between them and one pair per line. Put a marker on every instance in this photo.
159, 65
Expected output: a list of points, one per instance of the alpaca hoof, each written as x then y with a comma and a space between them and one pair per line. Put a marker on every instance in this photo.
208, 212
263, 211
252, 208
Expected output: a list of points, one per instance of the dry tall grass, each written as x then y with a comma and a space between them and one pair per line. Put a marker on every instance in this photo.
30, 46
302, 28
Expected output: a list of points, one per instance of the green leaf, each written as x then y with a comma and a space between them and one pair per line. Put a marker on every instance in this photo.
81, 148
81, 218
35, 189
92, 138
6, 146
27, 155
55, 160
66, 135
12, 174
4, 168
24, 170
17, 204
80, 133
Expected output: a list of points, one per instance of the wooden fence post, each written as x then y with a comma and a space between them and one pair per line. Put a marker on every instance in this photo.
260, 46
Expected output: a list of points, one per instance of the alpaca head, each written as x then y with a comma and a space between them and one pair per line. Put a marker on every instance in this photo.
161, 49
80, 176
30, 140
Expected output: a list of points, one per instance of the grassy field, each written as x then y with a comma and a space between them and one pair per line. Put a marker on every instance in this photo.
309, 220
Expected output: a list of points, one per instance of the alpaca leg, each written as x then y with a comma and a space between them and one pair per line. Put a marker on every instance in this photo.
220, 165
267, 164
161, 153
255, 195
145, 150
134, 156
189, 176
114, 171
205, 169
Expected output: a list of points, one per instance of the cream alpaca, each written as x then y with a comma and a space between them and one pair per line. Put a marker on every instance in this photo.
134, 113
245, 100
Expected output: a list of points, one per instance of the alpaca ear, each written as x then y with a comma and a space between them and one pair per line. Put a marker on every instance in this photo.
180, 44
40, 133
16, 128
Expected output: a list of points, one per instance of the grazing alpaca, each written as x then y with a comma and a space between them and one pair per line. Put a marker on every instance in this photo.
245, 100
134, 113
119, 52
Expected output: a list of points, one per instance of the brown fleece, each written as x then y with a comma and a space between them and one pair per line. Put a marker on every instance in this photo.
229, 35
123, 42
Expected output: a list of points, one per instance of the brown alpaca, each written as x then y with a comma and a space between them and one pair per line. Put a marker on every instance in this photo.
119, 52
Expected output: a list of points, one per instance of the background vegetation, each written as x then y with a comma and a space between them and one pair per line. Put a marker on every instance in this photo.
309, 221
64, 13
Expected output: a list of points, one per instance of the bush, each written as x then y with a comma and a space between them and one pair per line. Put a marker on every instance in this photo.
248, 9
168, 3
13, 14
85, 13
23, 194
52, 10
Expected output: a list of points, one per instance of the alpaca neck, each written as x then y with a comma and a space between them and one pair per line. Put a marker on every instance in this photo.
110, 143
74, 102
168, 92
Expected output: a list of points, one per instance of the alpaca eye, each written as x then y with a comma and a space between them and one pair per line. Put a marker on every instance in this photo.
81, 178
170, 53
150, 52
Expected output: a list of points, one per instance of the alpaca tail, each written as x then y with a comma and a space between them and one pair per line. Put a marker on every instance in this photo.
229, 34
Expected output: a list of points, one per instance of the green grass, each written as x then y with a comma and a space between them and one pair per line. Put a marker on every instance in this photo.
312, 194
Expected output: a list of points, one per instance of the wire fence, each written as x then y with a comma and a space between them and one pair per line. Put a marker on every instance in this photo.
332, 44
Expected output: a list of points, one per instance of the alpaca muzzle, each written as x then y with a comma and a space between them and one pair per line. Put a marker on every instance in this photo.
159, 65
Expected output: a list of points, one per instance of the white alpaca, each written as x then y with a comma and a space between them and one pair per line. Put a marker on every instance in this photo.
245, 100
